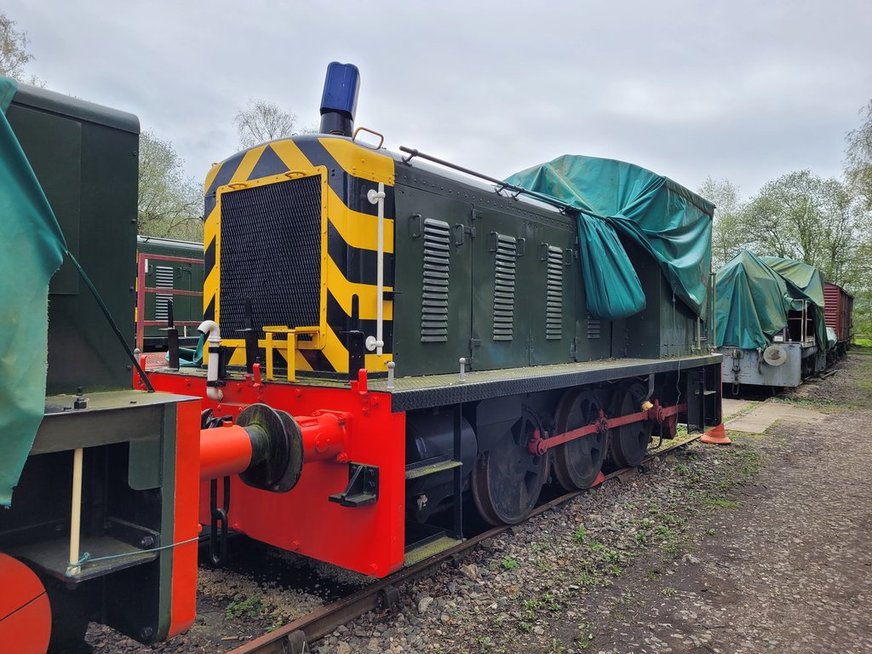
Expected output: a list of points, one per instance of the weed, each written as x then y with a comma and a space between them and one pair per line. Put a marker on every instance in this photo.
249, 607
580, 534
509, 563
585, 638
613, 570
667, 591
586, 579
662, 531
531, 604
551, 603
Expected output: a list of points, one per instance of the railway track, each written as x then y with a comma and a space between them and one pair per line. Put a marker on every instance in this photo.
296, 636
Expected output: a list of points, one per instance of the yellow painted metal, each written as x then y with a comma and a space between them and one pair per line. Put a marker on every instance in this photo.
360, 161
273, 345
357, 229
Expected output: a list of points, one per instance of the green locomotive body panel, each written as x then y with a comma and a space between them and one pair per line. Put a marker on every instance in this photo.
85, 157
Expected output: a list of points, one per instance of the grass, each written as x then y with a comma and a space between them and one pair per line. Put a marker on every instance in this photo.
248, 608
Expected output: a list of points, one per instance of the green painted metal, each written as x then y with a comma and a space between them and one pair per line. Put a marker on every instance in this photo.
85, 158
416, 352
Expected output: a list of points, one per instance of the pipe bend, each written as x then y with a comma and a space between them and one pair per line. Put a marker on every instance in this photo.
211, 330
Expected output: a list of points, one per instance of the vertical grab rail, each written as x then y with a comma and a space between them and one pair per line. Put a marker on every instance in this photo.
378, 198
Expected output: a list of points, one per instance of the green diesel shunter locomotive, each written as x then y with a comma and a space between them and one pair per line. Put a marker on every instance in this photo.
514, 334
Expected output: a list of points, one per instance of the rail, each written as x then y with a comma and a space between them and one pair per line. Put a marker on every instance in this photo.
142, 290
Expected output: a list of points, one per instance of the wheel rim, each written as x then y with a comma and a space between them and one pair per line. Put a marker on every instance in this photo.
630, 442
578, 462
507, 480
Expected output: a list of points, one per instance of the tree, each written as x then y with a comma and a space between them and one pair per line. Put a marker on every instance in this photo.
265, 121
858, 156
803, 216
727, 237
169, 203
13, 50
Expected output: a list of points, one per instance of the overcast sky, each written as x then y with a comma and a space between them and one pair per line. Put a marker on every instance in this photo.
745, 90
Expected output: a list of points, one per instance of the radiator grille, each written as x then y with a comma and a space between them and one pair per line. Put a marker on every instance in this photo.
554, 295
271, 254
504, 287
434, 291
593, 327
164, 277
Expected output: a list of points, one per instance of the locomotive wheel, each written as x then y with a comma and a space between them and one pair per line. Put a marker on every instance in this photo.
577, 463
629, 443
507, 479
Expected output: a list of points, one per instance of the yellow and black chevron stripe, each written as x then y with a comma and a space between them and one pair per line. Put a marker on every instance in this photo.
349, 239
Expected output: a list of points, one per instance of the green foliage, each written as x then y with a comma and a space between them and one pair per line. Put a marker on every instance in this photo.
508, 563
170, 204
805, 217
247, 608
726, 232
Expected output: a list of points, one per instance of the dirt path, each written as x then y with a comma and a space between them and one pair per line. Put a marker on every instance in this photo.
790, 568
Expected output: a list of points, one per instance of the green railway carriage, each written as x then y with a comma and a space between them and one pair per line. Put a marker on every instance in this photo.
173, 274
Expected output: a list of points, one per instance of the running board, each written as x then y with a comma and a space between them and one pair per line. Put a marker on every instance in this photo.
430, 467
428, 547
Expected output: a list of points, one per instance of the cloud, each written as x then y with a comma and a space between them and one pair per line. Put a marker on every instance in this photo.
741, 90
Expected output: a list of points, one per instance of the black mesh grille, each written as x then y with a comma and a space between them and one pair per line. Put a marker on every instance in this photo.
271, 254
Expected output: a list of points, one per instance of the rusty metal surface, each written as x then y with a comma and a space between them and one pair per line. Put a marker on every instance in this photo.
294, 636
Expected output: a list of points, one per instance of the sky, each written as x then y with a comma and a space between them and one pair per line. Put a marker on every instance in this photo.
742, 90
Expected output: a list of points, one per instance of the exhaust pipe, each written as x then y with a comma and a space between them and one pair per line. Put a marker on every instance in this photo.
339, 100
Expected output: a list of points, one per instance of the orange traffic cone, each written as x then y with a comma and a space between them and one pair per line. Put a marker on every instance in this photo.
716, 436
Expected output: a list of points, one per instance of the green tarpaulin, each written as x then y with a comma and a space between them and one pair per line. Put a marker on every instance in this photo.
615, 199
31, 249
805, 283
754, 295
751, 301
